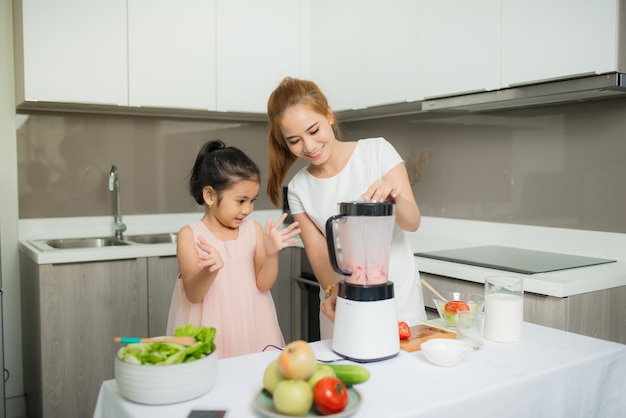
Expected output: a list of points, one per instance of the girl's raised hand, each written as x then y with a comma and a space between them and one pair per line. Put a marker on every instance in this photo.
381, 191
276, 239
209, 257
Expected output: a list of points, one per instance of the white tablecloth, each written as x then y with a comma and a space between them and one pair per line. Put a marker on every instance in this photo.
550, 373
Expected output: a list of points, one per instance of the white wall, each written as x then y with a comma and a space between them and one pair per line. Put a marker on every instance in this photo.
8, 219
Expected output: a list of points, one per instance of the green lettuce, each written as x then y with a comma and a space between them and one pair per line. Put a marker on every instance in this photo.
162, 353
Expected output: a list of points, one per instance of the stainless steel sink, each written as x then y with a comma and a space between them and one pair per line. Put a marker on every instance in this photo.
72, 243
153, 238
103, 242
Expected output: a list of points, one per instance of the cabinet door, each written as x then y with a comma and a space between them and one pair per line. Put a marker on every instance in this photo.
82, 308
171, 49
390, 54
336, 50
162, 276
72, 51
259, 43
459, 46
281, 293
543, 40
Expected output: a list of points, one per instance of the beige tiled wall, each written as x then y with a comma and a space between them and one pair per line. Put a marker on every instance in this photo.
561, 166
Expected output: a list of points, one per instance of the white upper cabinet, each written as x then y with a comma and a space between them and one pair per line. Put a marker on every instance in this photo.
336, 48
459, 46
228, 55
72, 51
364, 53
171, 54
390, 53
544, 40
258, 44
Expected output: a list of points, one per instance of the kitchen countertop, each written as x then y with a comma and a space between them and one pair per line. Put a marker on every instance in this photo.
549, 373
434, 234
443, 234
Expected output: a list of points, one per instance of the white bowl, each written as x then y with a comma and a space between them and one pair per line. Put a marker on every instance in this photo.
444, 352
166, 384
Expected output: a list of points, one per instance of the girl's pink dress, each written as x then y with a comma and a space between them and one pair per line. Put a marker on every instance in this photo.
244, 317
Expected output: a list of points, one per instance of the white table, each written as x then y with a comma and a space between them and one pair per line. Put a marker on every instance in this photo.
550, 373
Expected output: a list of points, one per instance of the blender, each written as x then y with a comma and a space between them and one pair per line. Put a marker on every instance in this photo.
359, 244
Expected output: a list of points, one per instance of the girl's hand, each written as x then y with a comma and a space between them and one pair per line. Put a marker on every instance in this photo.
276, 239
381, 191
209, 257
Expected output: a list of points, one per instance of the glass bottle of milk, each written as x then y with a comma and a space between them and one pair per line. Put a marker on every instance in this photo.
504, 308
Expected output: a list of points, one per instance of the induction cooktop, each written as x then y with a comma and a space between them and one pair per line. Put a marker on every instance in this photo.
515, 260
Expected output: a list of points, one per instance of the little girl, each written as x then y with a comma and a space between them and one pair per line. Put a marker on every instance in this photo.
227, 263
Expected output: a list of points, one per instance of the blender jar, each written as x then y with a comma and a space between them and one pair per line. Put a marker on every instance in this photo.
359, 241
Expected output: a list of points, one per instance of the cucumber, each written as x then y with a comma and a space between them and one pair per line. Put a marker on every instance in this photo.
350, 374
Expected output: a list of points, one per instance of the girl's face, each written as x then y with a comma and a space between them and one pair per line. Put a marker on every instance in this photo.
309, 135
236, 203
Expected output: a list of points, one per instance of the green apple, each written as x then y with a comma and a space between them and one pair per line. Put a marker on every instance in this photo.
272, 377
321, 371
293, 397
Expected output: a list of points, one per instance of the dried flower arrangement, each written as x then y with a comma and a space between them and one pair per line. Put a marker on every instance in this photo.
416, 165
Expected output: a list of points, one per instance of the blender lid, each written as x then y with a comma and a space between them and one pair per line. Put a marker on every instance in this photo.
362, 208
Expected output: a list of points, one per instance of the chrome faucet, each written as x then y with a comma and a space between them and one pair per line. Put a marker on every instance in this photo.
114, 186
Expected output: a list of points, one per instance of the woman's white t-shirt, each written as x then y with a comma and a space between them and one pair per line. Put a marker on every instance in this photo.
319, 197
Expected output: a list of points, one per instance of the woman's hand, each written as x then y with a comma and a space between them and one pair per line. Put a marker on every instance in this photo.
328, 307
395, 187
381, 191
209, 257
276, 239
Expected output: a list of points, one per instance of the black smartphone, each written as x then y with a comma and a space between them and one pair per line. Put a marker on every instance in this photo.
206, 414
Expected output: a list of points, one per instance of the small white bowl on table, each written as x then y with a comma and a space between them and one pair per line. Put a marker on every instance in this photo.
166, 384
444, 352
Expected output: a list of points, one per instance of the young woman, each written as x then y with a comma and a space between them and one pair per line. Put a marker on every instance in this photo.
302, 125
228, 264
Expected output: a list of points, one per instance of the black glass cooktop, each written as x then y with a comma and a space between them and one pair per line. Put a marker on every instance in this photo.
515, 260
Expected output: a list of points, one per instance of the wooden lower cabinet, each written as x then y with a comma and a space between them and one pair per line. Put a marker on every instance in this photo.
597, 314
70, 315
162, 276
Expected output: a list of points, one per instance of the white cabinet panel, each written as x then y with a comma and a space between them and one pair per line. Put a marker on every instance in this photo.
171, 49
459, 46
74, 51
365, 53
557, 38
391, 54
336, 48
258, 44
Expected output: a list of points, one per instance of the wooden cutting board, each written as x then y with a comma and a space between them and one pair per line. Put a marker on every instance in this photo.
421, 333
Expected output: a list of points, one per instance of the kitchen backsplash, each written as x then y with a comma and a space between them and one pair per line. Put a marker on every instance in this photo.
557, 166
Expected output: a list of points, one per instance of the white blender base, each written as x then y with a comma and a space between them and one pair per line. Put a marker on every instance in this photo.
366, 331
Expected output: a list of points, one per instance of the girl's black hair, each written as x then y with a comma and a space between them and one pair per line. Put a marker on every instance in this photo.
220, 167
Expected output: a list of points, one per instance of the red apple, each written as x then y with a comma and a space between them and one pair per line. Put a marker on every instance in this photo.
297, 360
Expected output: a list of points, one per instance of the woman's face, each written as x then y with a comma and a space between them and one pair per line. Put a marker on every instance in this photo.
308, 134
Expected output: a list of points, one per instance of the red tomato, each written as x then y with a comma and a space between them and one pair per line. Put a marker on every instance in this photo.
330, 395
404, 330
455, 306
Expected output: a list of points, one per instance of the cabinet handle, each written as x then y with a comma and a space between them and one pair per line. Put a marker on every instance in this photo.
306, 281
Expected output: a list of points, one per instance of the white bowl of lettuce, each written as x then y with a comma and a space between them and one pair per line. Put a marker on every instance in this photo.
166, 373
